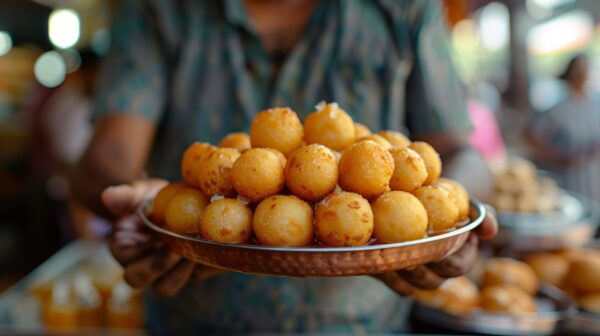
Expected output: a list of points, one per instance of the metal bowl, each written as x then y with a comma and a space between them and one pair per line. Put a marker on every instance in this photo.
573, 225
553, 307
317, 261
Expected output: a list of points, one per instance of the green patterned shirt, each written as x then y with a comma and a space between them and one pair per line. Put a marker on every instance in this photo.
199, 71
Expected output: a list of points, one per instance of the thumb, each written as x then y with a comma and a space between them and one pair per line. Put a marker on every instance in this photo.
124, 199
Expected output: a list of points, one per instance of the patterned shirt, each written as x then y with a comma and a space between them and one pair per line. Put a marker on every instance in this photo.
199, 71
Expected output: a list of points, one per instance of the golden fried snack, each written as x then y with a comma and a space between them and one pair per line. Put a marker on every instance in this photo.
311, 172
431, 158
366, 168
399, 216
258, 174
277, 128
457, 296
409, 169
378, 139
184, 212
192, 160
397, 139
283, 221
361, 130
442, 212
584, 275
227, 220
460, 193
590, 302
506, 299
280, 156
330, 126
237, 140
510, 272
214, 176
161, 201
549, 267
344, 219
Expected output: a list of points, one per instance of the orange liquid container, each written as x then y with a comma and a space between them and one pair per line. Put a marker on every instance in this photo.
124, 309
89, 302
61, 311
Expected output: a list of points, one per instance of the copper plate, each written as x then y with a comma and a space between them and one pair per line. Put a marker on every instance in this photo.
317, 261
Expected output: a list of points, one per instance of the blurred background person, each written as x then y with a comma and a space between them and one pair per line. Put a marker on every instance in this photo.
566, 139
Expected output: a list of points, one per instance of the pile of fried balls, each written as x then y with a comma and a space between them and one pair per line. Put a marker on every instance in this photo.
327, 182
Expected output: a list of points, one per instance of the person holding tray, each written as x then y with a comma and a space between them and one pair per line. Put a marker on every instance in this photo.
179, 72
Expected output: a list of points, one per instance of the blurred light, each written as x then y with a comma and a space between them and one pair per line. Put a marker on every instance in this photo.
50, 69
571, 31
72, 59
63, 28
544, 8
494, 26
5, 43
100, 42
465, 36
550, 3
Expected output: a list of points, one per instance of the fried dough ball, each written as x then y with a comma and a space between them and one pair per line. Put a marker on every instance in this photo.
161, 201
277, 128
510, 272
378, 139
506, 299
214, 176
431, 158
258, 174
456, 295
397, 139
399, 217
283, 221
237, 140
584, 275
227, 220
330, 126
549, 267
442, 212
361, 130
590, 302
192, 160
280, 156
409, 169
366, 168
460, 193
344, 219
184, 212
311, 172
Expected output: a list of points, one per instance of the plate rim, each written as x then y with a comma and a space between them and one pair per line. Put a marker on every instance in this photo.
475, 204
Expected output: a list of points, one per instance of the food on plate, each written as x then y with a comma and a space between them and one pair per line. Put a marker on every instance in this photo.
584, 274
227, 220
361, 130
237, 140
161, 201
184, 211
215, 172
282, 220
460, 194
366, 168
378, 139
458, 296
506, 299
257, 174
442, 212
279, 155
398, 217
277, 128
311, 172
432, 160
510, 272
590, 302
409, 169
397, 139
549, 267
344, 219
191, 161
330, 126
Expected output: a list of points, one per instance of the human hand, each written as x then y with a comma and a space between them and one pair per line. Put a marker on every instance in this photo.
145, 259
432, 275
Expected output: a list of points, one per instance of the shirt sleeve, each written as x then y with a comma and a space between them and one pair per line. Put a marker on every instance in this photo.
435, 95
133, 74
